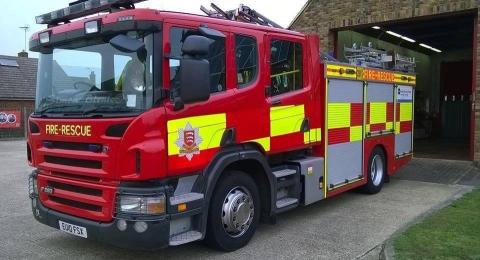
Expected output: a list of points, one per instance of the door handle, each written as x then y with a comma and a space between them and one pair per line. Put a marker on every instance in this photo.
276, 102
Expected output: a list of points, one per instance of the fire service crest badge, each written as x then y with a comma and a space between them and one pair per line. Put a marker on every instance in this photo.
188, 141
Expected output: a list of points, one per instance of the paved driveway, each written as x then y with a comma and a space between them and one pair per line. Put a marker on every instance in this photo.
344, 227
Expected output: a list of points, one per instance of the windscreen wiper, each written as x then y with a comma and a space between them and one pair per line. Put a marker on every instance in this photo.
109, 109
55, 107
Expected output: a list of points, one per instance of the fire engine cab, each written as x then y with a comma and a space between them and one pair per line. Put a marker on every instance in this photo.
156, 128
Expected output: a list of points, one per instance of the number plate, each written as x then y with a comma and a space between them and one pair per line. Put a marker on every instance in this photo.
72, 229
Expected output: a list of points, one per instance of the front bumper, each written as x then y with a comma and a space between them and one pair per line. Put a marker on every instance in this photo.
155, 237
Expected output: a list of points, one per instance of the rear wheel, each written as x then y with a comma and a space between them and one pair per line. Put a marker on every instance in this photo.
376, 172
234, 212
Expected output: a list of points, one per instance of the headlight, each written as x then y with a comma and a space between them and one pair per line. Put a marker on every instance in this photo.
32, 187
151, 205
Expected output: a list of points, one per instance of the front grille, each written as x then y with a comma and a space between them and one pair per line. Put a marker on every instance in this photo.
78, 198
74, 188
76, 204
73, 162
74, 146
75, 176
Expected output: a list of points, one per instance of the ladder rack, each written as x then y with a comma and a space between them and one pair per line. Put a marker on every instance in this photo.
242, 14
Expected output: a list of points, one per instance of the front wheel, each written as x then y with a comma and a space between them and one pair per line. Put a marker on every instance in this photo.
376, 172
234, 212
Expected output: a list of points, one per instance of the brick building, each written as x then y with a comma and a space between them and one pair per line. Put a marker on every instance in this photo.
447, 96
18, 77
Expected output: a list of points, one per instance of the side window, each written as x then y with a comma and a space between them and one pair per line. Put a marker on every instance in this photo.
246, 59
285, 66
217, 59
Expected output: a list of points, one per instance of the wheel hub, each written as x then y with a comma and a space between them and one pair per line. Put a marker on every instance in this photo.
237, 211
376, 170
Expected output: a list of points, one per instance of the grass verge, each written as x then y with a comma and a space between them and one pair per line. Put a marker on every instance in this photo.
451, 233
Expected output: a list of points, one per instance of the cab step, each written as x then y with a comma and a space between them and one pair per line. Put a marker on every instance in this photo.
287, 187
284, 173
184, 238
285, 202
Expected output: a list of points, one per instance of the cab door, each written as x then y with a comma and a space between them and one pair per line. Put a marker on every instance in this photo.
288, 93
194, 132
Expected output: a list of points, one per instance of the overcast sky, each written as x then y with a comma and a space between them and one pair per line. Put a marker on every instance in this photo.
18, 13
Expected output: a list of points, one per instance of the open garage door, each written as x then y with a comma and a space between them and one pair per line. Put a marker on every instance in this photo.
442, 49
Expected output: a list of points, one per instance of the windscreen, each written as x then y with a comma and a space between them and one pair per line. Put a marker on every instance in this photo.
92, 77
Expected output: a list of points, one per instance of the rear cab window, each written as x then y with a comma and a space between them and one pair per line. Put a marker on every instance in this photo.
286, 67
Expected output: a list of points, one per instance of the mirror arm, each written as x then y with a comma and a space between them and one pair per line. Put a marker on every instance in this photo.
178, 104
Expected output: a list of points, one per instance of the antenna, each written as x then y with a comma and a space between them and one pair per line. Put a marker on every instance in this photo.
25, 29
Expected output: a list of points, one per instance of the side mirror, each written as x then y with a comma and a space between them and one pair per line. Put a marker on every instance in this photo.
195, 70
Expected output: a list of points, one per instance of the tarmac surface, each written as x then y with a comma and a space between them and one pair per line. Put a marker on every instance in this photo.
344, 227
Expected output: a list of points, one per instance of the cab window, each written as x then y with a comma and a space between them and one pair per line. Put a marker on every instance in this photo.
285, 66
246, 59
216, 58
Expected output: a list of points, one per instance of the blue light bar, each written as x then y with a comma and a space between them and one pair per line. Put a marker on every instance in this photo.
83, 8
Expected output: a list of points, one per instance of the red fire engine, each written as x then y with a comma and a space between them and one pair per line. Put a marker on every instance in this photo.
156, 129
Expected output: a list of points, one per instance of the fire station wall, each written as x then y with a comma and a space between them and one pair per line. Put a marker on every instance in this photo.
25, 108
326, 17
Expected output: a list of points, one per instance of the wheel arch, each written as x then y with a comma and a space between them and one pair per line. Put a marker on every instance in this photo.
247, 158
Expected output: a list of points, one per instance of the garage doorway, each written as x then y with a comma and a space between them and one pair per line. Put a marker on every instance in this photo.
442, 47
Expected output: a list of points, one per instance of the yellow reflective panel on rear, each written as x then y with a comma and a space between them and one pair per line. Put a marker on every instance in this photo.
397, 127
356, 133
378, 112
389, 126
405, 112
194, 134
338, 115
286, 119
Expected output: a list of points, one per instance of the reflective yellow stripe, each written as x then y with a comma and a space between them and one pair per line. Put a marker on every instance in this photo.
314, 135
378, 112
389, 126
264, 142
210, 130
286, 119
306, 137
338, 115
406, 79
397, 127
355, 133
367, 128
405, 111
318, 134
341, 71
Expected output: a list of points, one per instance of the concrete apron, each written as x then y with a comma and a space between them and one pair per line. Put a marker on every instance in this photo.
344, 227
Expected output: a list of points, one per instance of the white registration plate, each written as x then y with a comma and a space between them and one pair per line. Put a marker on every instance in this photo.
72, 229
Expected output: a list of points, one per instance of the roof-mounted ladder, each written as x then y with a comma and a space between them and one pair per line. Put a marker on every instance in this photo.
242, 14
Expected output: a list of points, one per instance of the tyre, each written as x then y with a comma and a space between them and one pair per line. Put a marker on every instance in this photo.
234, 212
376, 172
